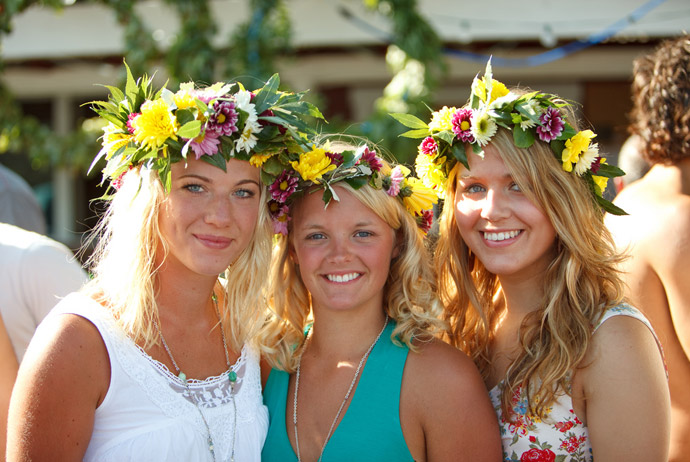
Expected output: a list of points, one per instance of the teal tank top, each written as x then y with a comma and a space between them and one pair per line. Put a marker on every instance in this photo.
370, 429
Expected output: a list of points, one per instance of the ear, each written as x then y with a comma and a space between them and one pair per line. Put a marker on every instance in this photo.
292, 254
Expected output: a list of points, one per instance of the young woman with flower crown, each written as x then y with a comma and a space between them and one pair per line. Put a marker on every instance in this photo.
369, 381
157, 358
526, 271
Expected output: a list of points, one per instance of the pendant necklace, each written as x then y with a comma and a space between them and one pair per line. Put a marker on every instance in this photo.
232, 377
342, 405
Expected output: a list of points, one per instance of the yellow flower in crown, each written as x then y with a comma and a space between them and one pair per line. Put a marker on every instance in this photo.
574, 147
497, 90
421, 197
114, 139
257, 160
442, 119
155, 125
184, 98
314, 164
431, 172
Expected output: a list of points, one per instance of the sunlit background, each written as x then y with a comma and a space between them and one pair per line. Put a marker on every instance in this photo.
361, 59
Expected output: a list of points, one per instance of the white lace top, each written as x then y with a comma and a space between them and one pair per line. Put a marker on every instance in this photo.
148, 414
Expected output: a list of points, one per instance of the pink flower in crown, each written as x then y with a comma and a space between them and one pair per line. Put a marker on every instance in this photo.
428, 146
551, 125
397, 177
130, 118
462, 125
372, 159
205, 144
336, 159
279, 216
283, 187
425, 220
224, 120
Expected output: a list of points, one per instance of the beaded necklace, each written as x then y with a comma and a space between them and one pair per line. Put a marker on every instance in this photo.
232, 377
342, 404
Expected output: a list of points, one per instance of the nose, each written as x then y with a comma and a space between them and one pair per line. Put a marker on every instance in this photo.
495, 206
220, 212
340, 250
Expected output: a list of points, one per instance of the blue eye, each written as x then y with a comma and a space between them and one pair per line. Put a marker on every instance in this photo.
475, 188
245, 193
193, 187
316, 236
363, 234
515, 187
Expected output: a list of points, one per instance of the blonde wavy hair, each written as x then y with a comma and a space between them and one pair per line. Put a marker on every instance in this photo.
124, 268
580, 283
409, 294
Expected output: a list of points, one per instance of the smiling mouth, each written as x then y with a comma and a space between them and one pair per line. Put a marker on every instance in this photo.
501, 236
343, 277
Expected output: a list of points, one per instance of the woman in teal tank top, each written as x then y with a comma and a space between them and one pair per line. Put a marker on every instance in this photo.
368, 381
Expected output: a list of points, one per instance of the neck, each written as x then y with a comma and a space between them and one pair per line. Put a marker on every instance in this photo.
676, 177
184, 296
344, 336
523, 296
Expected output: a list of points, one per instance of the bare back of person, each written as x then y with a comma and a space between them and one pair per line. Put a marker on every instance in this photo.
656, 235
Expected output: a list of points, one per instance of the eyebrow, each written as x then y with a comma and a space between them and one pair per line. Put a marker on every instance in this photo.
206, 179
471, 177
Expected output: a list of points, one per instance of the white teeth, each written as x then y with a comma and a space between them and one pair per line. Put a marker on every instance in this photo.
342, 277
500, 236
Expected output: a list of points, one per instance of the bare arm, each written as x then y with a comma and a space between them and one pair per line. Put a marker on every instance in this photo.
8, 373
626, 393
62, 379
445, 410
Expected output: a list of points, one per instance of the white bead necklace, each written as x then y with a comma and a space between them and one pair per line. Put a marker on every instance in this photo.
342, 405
232, 377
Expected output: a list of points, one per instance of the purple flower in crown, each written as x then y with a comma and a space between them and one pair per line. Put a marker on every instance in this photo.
372, 159
428, 146
336, 159
462, 125
224, 120
283, 186
130, 118
280, 216
425, 220
205, 144
551, 125
397, 177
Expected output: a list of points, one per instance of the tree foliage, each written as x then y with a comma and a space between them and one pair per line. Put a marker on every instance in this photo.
249, 54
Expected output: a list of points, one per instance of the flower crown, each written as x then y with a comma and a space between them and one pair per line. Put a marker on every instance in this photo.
292, 174
215, 123
530, 116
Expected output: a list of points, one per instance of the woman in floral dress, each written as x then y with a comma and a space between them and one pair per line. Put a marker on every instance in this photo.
527, 275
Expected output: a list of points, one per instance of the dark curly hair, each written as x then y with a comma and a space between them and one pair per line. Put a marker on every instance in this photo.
661, 101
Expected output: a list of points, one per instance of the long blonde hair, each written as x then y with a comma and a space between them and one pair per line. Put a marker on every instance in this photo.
124, 268
409, 294
580, 283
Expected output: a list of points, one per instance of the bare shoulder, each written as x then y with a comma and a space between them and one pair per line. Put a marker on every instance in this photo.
67, 344
65, 372
620, 348
443, 394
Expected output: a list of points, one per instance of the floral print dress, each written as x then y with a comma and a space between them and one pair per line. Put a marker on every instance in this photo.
560, 436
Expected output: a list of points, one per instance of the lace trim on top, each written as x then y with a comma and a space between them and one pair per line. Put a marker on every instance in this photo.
210, 392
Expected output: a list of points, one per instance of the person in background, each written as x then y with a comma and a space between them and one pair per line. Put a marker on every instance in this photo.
157, 357
632, 162
526, 271
35, 273
368, 382
18, 203
656, 233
